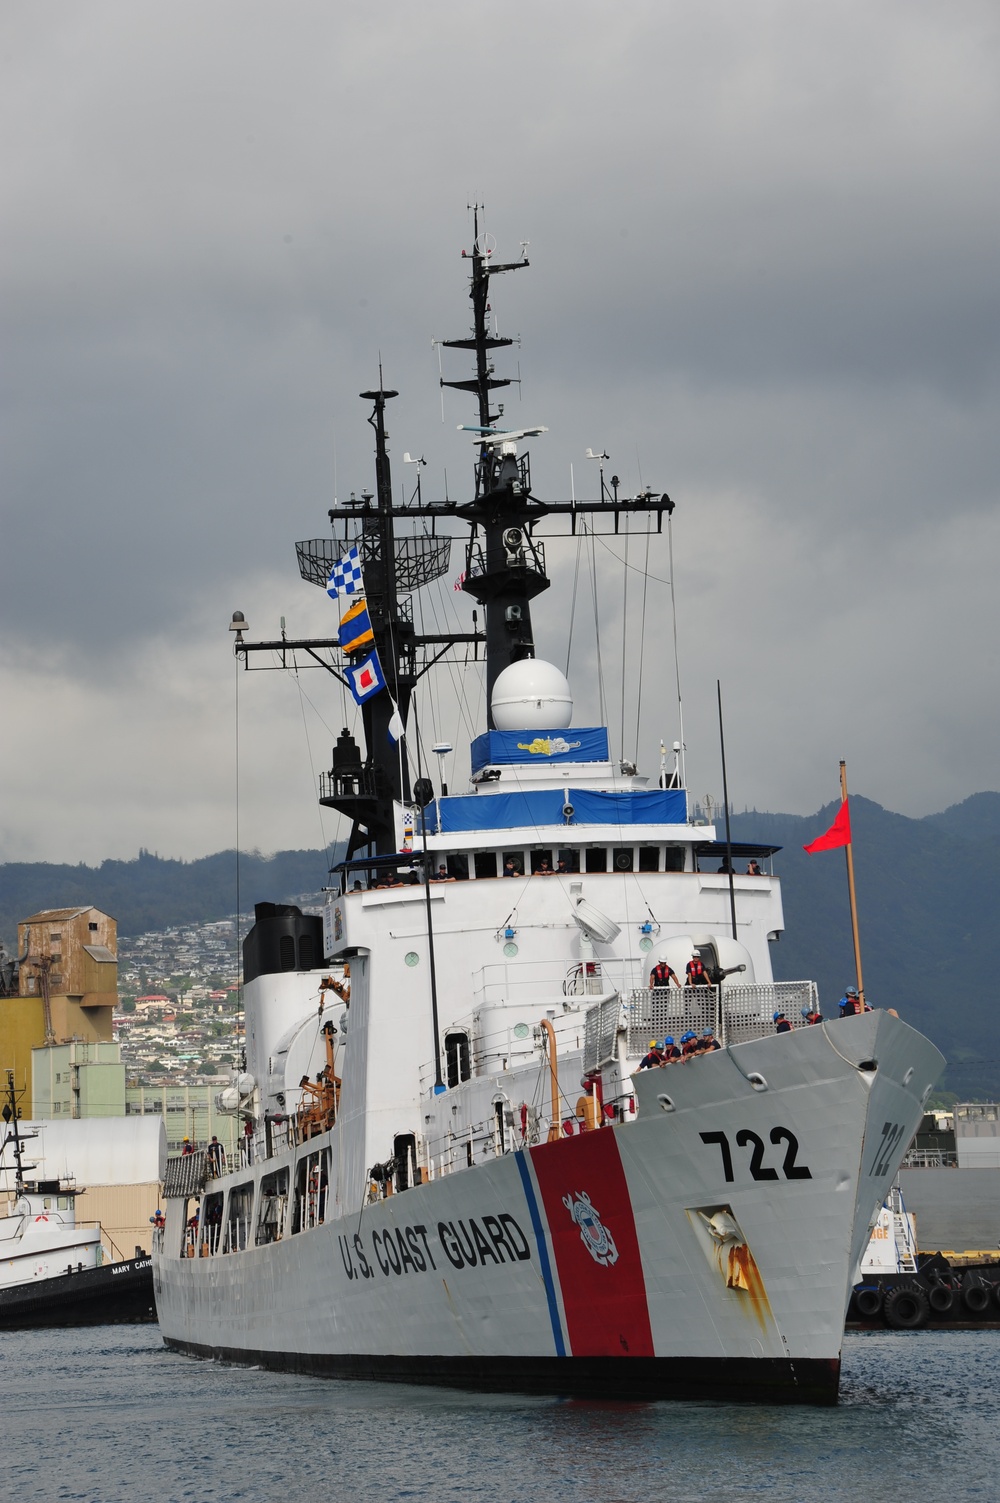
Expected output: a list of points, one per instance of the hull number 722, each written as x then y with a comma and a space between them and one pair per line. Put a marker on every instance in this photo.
746, 1139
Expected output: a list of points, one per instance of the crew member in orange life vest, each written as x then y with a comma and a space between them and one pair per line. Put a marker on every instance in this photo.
850, 1003
662, 975
781, 1023
696, 972
653, 1058
812, 1017
671, 1053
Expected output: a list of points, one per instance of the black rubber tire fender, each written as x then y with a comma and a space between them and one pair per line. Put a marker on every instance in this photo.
868, 1301
996, 1295
941, 1299
906, 1308
976, 1298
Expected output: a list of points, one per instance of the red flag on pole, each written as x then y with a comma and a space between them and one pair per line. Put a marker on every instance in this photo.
838, 834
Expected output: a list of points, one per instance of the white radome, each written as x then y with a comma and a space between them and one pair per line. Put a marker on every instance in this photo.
532, 696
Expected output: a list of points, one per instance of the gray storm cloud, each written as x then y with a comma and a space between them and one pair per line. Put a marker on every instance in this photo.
763, 244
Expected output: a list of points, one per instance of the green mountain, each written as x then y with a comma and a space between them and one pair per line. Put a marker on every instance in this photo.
151, 893
927, 898
927, 903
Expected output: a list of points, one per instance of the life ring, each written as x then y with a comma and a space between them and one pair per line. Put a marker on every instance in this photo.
868, 1301
906, 1307
940, 1298
976, 1298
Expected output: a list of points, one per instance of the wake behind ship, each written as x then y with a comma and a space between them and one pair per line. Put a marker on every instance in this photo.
455, 1170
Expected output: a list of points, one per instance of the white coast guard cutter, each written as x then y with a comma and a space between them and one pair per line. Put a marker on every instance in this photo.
458, 1174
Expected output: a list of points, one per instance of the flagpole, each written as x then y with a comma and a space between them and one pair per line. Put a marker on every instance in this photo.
848, 849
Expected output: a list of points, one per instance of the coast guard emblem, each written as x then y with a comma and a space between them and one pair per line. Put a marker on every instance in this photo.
593, 1233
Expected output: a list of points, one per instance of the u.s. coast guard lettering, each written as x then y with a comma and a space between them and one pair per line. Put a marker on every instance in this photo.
593, 1233
472, 1242
758, 1170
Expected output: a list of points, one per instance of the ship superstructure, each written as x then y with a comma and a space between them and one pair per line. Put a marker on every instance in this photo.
455, 1169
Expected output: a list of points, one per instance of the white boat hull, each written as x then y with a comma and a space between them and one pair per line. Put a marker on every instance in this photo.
588, 1265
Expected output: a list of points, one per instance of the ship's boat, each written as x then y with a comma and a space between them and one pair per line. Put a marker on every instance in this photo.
462, 1160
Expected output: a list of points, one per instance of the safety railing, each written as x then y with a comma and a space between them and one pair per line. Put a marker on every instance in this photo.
733, 1013
551, 980
185, 1175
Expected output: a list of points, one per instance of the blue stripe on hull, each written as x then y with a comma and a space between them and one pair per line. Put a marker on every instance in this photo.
521, 1159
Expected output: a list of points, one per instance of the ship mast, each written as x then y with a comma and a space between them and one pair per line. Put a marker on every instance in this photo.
504, 572
11, 1114
505, 569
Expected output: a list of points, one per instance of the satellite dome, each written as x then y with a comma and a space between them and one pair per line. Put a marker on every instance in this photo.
531, 695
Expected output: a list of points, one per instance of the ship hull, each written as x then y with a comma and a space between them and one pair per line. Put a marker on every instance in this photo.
113, 1294
706, 1249
644, 1379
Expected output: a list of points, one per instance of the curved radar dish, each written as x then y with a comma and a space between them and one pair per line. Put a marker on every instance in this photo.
595, 925
531, 695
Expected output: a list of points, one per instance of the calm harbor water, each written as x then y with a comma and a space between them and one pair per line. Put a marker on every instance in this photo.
108, 1415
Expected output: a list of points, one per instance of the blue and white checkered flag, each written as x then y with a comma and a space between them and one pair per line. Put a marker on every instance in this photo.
345, 576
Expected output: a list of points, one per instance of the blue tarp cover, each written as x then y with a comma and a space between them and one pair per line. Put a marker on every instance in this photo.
511, 811
586, 744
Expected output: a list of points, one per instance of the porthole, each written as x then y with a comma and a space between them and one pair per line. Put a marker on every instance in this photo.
510, 949
521, 1030
411, 958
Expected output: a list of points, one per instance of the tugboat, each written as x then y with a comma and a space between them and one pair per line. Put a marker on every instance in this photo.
51, 1270
907, 1290
459, 1169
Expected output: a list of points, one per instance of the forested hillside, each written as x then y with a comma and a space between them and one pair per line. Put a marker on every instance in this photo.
928, 892
152, 893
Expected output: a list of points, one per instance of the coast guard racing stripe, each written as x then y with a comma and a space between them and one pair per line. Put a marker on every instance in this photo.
594, 1242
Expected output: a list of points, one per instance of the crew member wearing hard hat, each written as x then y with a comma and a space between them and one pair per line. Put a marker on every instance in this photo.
850, 1003
696, 972
653, 1058
662, 975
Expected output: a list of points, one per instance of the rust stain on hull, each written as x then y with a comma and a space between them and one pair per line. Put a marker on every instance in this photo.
743, 1275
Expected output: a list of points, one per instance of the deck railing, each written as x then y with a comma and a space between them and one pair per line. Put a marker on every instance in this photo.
733, 1013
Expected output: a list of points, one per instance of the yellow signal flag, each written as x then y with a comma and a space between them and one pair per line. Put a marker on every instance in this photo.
356, 628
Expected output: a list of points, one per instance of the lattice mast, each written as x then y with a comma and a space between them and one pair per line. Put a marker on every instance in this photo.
504, 571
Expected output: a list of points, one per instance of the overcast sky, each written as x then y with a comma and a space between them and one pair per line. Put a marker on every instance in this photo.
763, 240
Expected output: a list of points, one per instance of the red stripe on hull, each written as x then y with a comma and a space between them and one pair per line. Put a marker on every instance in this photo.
594, 1242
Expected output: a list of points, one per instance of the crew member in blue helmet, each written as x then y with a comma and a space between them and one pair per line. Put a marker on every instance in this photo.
653, 1058
781, 1023
850, 1003
671, 1053
708, 1042
812, 1017
689, 1045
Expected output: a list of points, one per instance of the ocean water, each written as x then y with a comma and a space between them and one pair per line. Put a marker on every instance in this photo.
108, 1414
